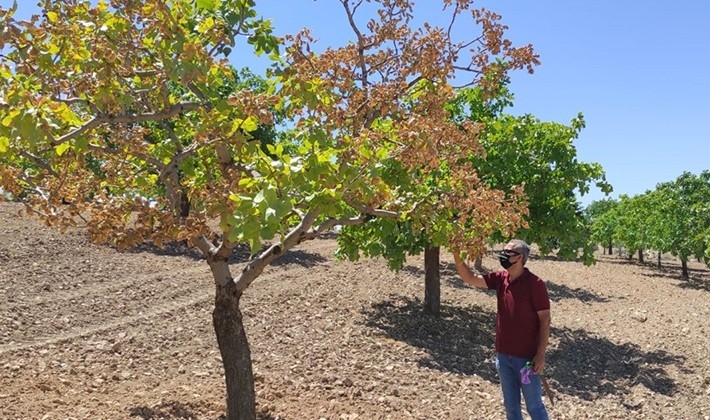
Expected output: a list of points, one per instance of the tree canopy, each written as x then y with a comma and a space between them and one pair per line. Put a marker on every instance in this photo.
534, 160
542, 158
125, 116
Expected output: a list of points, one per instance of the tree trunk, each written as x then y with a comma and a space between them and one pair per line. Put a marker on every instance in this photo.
659, 259
684, 267
610, 247
236, 356
641, 256
432, 282
478, 263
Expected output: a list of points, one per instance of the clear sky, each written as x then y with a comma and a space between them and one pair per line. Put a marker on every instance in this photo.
637, 70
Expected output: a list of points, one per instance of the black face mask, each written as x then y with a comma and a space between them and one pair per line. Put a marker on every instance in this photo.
504, 258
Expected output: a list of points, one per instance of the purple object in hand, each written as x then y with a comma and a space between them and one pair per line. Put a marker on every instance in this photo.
525, 373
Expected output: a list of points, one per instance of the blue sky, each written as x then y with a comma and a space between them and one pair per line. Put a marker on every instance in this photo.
637, 70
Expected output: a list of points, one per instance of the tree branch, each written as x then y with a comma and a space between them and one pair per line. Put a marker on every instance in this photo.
331, 223
293, 238
205, 246
39, 162
130, 118
368, 209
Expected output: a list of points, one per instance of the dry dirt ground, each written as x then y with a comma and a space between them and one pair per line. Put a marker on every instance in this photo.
87, 332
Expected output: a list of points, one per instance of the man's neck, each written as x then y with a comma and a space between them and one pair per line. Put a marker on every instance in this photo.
515, 272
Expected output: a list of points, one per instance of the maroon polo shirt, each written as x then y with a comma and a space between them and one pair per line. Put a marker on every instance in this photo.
517, 323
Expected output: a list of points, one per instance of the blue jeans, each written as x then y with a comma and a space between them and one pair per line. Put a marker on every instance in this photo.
511, 384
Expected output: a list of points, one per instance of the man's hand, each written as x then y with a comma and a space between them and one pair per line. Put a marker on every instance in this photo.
539, 362
468, 276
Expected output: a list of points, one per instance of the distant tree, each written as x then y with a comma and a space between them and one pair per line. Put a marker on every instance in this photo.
658, 239
683, 220
602, 222
634, 228
540, 156
117, 114
673, 219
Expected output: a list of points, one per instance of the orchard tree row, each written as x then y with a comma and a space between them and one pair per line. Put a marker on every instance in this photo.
129, 117
674, 219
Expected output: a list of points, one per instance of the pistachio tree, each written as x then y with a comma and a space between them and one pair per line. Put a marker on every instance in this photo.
635, 229
602, 222
542, 156
488, 209
115, 116
682, 220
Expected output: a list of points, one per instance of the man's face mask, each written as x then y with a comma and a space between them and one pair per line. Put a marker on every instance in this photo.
504, 258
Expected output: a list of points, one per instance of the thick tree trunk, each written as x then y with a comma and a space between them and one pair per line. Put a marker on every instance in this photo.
640, 255
611, 245
684, 267
432, 282
236, 356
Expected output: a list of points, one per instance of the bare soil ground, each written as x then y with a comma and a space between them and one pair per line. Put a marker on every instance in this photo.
87, 332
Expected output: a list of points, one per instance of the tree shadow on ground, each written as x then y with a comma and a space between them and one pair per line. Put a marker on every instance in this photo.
240, 254
583, 365
182, 249
698, 278
459, 341
169, 249
589, 367
620, 261
560, 291
414, 271
299, 257
696, 284
166, 410
174, 410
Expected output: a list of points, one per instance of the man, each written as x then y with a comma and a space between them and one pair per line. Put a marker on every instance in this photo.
522, 326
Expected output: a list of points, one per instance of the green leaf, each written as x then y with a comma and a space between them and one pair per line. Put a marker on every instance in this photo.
233, 235
4, 144
54, 17
282, 208
60, 149
250, 124
205, 25
268, 232
260, 196
53, 48
208, 5
7, 121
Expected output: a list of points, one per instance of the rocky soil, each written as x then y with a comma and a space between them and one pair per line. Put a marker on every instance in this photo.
87, 332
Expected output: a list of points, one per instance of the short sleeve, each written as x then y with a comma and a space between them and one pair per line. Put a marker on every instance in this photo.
493, 279
540, 296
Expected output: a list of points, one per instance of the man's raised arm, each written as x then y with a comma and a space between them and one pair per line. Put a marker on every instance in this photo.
468, 276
